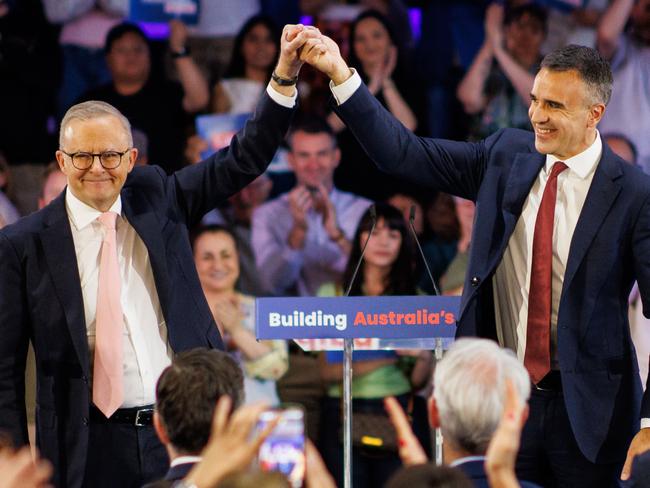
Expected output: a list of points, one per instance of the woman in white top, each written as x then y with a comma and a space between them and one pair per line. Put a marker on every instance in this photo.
254, 55
217, 264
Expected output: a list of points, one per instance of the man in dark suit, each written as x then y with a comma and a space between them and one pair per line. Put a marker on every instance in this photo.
186, 396
562, 230
102, 281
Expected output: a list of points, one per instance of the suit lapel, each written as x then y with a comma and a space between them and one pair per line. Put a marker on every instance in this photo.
603, 191
59, 251
524, 171
147, 226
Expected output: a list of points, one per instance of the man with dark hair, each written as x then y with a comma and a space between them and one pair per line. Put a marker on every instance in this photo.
302, 239
562, 230
186, 396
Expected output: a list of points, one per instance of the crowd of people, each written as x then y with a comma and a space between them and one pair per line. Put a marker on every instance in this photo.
101, 151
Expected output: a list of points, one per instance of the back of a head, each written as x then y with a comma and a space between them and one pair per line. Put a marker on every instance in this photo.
429, 476
255, 479
469, 390
593, 69
187, 393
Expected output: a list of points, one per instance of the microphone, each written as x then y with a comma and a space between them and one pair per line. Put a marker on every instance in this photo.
436, 290
373, 219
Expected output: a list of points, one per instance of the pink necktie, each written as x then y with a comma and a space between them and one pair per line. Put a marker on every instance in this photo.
108, 388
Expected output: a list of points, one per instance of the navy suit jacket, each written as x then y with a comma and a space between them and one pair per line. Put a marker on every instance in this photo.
610, 248
41, 298
174, 474
475, 471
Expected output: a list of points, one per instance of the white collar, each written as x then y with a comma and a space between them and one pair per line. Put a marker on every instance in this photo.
184, 460
467, 459
582, 164
82, 214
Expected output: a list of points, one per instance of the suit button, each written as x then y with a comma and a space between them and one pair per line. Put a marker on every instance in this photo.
85, 420
84, 379
475, 281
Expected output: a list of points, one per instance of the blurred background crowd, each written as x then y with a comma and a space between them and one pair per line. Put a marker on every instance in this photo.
459, 70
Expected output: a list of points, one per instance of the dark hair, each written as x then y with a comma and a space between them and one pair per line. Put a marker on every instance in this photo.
594, 70
354, 60
311, 124
212, 229
401, 279
533, 10
237, 66
187, 393
429, 476
121, 30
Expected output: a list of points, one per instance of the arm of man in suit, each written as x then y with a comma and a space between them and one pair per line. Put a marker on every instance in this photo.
201, 187
13, 344
450, 166
641, 249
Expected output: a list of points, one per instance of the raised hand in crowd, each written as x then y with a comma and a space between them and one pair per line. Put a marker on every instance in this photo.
230, 434
382, 72
316, 473
410, 450
18, 469
504, 445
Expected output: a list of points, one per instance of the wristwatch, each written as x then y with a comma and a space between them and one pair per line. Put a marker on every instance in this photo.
182, 53
284, 81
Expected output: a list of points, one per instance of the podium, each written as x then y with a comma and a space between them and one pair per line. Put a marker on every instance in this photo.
385, 322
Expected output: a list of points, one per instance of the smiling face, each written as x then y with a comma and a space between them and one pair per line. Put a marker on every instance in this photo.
258, 48
384, 247
313, 158
96, 186
217, 261
371, 42
563, 116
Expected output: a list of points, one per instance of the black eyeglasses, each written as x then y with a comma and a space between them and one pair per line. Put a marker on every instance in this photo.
108, 159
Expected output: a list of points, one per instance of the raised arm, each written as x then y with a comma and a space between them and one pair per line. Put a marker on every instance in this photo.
453, 167
195, 87
611, 26
202, 186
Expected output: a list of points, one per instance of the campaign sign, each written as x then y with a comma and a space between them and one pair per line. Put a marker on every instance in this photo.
164, 11
385, 317
218, 130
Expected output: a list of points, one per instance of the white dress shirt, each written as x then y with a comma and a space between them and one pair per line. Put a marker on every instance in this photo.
145, 345
511, 280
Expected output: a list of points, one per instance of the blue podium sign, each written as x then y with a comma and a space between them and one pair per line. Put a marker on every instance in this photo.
389, 317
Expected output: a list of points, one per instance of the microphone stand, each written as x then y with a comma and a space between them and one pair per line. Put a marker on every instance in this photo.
438, 348
347, 372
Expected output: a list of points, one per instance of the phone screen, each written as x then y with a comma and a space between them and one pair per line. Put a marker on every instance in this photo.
284, 449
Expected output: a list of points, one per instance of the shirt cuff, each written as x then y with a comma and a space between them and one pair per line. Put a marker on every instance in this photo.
645, 423
281, 99
346, 89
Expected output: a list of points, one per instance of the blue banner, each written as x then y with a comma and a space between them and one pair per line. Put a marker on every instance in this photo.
390, 317
164, 11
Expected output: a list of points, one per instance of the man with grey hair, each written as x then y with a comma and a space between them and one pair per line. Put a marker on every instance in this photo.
103, 283
469, 386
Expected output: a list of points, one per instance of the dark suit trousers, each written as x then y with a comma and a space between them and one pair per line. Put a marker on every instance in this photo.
549, 454
123, 455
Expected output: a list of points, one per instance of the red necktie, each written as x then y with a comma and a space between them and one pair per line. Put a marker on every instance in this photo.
538, 331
